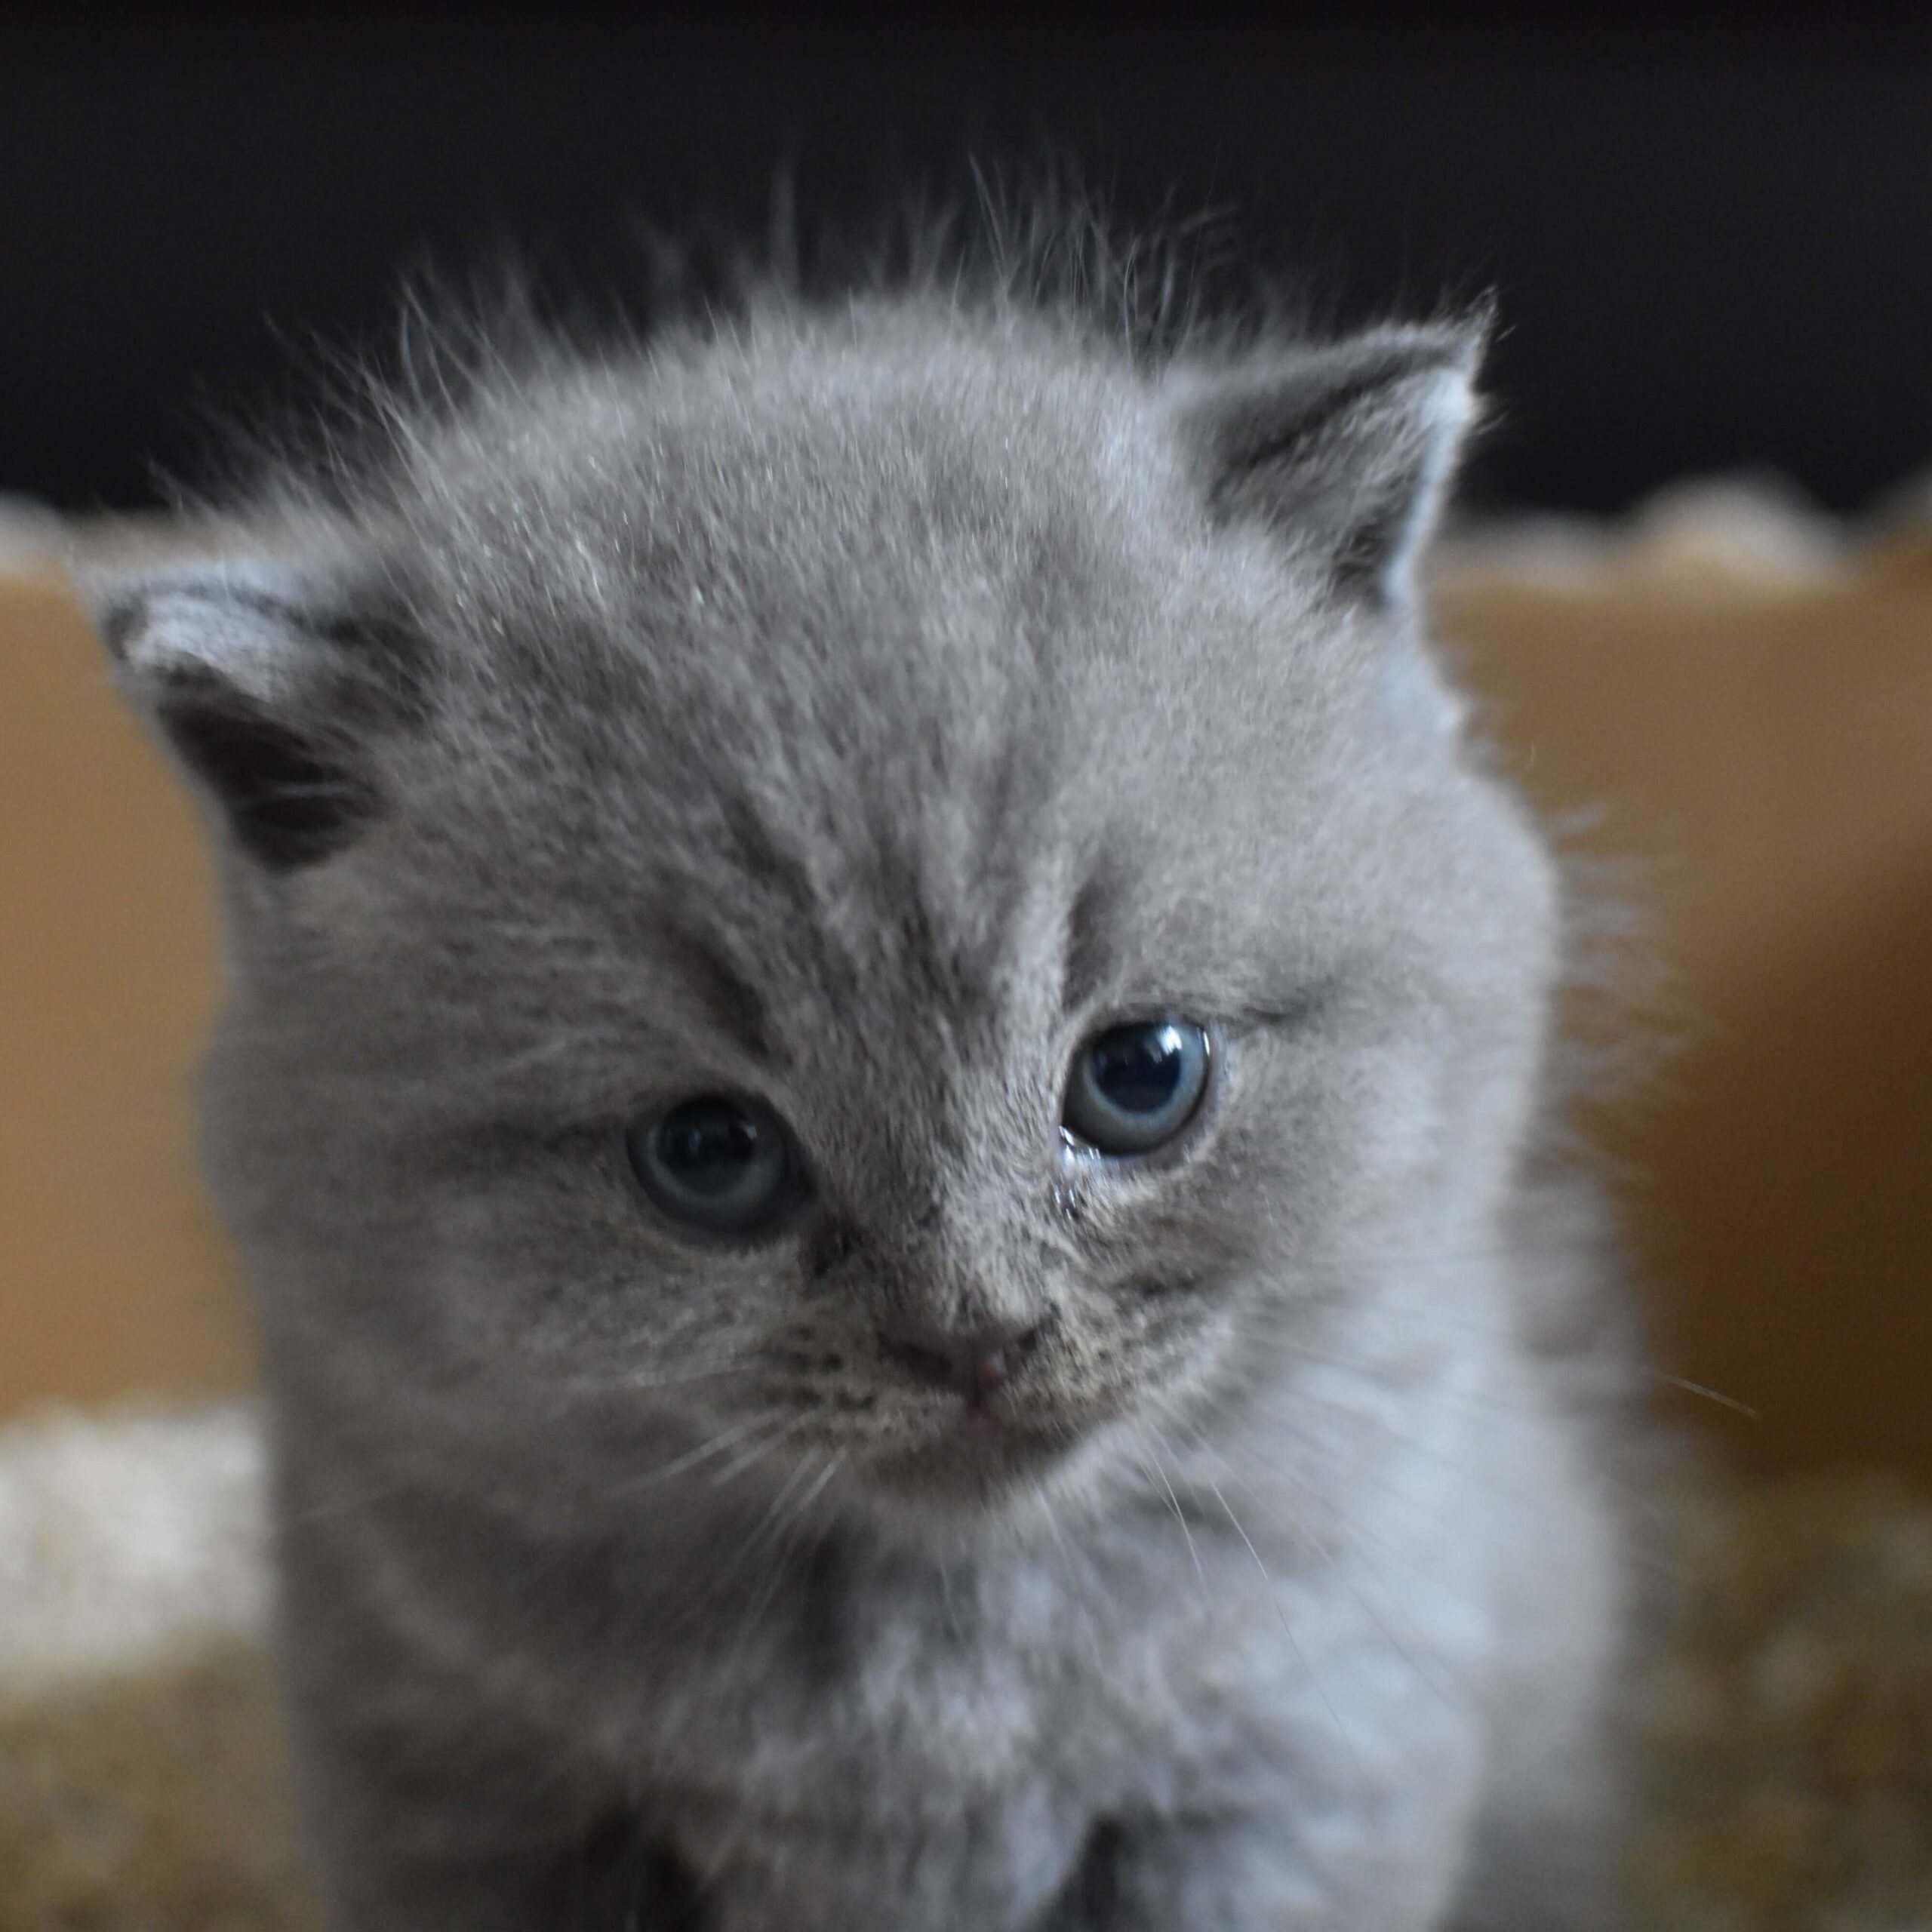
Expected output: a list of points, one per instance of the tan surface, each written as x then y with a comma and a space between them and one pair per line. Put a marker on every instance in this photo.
111, 1279
1766, 759
1760, 743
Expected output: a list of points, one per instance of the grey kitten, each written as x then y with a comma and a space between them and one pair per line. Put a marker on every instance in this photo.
880, 1080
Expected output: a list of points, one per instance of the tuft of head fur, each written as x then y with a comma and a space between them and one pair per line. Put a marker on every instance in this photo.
1045, 255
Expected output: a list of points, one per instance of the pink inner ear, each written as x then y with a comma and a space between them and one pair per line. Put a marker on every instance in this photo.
1346, 450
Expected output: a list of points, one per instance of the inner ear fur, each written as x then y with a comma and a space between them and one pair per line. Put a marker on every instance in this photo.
270, 688
1346, 450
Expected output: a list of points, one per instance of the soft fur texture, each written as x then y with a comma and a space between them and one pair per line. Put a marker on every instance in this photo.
855, 708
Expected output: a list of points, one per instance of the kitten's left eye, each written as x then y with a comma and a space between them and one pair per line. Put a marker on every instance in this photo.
714, 1163
1134, 1088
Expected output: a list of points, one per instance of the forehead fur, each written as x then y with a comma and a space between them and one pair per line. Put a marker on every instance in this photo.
942, 573
881, 592
851, 497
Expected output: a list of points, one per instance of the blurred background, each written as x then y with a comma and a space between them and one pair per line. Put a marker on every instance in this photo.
1693, 590
1709, 235
1712, 246
1713, 250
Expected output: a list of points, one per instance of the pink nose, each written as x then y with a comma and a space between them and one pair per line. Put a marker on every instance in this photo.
974, 1362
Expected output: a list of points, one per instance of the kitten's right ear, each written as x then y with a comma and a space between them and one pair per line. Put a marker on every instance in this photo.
1344, 450
272, 687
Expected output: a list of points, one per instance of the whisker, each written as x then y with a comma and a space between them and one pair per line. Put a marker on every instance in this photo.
1375, 1372
1336, 1567
1379, 1472
1287, 1631
946, 1598
323, 1512
758, 1450
1051, 1518
1174, 1503
785, 1538
619, 1382
769, 1520
712, 1445
1716, 1395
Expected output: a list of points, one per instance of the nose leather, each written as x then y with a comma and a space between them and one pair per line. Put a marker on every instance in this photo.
974, 1360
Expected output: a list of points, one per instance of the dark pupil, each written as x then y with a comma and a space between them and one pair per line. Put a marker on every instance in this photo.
706, 1147
1139, 1067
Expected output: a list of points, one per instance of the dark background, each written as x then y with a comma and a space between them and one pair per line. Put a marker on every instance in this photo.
1712, 243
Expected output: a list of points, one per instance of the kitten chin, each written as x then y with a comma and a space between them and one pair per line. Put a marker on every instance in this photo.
962, 1497
978, 1463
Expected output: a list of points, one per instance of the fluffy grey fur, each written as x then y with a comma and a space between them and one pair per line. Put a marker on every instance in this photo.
855, 708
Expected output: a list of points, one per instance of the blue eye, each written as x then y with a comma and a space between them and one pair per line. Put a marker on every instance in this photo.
720, 1165
1134, 1088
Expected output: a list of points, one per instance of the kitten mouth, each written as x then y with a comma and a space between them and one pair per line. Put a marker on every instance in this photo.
979, 1428
976, 1455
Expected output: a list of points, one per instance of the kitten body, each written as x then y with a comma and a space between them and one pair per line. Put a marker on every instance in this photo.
856, 712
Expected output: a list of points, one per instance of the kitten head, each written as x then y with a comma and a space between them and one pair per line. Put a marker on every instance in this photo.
895, 886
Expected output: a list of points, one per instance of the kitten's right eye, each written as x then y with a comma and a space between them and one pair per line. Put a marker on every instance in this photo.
714, 1163
1134, 1088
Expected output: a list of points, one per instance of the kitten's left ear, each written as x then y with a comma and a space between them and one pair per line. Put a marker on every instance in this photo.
1345, 450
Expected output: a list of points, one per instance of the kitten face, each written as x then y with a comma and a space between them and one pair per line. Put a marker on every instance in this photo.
845, 728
